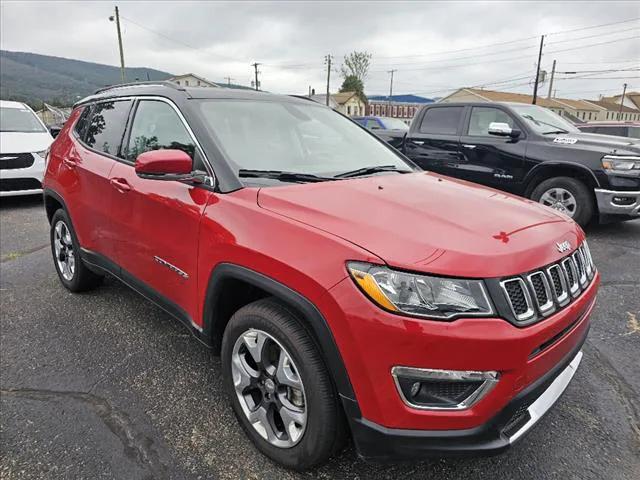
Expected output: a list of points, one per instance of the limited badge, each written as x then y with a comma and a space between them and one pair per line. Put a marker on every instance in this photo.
565, 140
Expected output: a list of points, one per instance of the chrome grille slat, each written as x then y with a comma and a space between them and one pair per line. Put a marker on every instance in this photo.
542, 292
560, 284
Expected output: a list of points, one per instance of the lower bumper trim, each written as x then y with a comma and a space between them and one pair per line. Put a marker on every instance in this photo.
378, 443
609, 204
545, 401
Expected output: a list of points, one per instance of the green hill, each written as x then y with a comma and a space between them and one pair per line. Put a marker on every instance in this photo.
33, 78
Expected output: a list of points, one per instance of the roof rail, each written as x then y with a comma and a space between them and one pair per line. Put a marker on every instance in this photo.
160, 83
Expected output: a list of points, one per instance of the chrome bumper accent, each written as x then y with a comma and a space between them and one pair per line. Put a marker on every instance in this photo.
545, 401
604, 199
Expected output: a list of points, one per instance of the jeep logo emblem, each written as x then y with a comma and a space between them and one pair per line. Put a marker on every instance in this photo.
563, 246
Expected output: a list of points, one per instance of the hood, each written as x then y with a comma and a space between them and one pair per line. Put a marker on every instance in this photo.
24, 142
429, 223
606, 144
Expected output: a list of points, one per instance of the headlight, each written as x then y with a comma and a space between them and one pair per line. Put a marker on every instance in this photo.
421, 295
619, 163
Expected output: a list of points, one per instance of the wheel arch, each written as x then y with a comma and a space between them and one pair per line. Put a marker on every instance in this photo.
232, 286
547, 170
53, 202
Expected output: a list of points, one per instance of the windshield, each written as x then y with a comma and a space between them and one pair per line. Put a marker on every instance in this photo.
542, 120
394, 123
293, 137
19, 120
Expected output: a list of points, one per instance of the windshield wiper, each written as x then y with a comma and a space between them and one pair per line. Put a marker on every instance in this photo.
555, 131
540, 122
369, 170
282, 175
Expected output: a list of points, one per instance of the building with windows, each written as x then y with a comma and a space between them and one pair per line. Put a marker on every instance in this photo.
578, 111
403, 107
192, 80
347, 103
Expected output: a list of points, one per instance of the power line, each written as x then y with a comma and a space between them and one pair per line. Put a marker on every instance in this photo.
559, 32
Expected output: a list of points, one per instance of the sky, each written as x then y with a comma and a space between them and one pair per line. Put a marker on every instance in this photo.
435, 47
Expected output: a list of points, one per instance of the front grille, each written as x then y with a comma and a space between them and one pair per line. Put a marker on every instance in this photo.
18, 184
518, 298
10, 161
543, 291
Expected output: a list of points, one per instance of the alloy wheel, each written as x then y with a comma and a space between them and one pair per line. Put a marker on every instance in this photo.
63, 247
269, 388
560, 199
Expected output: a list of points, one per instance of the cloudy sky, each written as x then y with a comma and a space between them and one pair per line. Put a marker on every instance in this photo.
435, 47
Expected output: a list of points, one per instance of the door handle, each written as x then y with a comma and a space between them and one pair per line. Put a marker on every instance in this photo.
120, 184
70, 161
470, 147
418, 142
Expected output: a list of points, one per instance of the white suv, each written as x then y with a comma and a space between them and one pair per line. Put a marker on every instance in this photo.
24, 140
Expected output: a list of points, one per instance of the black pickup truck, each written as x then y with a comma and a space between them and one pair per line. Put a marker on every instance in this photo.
529, 151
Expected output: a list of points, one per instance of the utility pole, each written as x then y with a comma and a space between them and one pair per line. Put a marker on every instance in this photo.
228, 79
391, 88
553, 73
535, 87
624, 91
255, 67
117, 20
327, 60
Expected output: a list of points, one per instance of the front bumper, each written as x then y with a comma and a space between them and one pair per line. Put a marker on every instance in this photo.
22, 181
375, 442
612, 202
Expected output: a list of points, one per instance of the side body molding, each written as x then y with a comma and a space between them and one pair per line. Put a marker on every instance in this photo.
308, 312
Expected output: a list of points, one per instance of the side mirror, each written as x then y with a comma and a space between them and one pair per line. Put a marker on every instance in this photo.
54, 130
166, 164
503, 130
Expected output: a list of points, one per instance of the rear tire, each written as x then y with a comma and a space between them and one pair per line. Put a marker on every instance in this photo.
72, 271
567, 195
319, 429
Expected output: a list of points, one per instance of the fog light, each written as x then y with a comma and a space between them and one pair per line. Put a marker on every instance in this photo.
618, 200
442, 389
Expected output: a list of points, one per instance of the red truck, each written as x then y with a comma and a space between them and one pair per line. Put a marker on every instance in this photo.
348, 293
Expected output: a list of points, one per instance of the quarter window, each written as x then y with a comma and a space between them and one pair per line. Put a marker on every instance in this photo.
157, 126
441, 120
83, 121
105, 130
482, 117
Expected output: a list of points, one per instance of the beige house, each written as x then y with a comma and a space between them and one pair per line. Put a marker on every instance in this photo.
580, 110
350, 104
347, 103
192, 80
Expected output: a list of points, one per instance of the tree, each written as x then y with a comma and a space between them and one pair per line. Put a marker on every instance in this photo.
354, 71
356, 64
352, 83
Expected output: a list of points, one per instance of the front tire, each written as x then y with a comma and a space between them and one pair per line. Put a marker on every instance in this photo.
567, 195
73, 273
279, 387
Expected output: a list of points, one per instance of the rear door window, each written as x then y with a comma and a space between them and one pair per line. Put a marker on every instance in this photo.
106, 128
441, 120
83, 121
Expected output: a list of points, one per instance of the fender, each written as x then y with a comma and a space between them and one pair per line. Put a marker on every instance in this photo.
314, 320
48, 192
533, 172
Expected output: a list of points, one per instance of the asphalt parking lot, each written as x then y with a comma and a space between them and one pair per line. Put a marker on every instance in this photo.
106, 385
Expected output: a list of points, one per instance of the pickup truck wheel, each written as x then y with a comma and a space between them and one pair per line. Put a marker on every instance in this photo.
73, 273
567, 195
279, 387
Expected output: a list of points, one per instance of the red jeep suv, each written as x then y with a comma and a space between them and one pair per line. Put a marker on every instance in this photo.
348, 293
